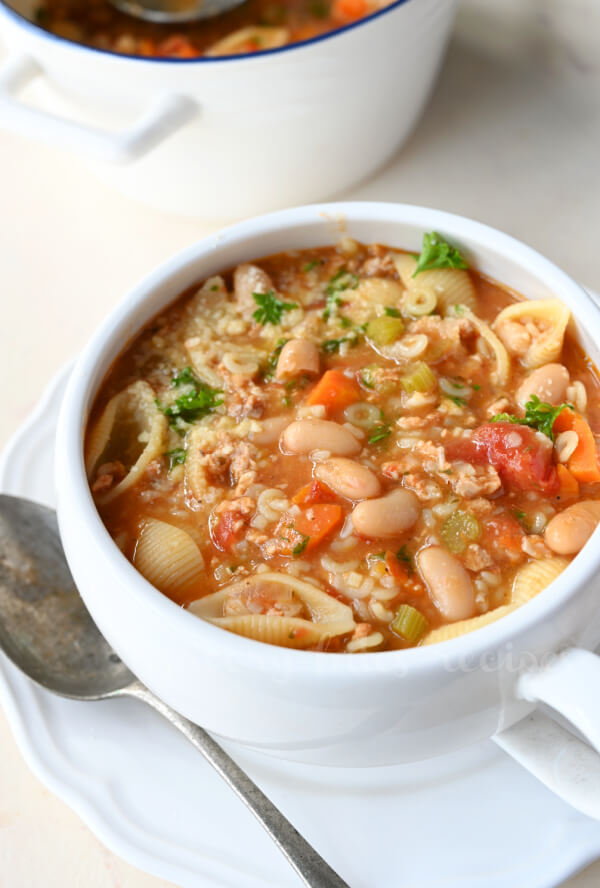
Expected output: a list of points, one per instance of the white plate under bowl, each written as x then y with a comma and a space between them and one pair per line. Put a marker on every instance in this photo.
464, 820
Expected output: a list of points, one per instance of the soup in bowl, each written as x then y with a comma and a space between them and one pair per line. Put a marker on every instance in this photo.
312, 486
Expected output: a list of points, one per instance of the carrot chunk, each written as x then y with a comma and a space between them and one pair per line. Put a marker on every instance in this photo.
303, 532
584, 463
568, 483
349, 10
335, 391
312, 493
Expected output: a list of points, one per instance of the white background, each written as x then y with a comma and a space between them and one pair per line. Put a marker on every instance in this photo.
511, 138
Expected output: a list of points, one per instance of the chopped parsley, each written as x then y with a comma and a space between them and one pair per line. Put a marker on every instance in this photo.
476, 388
404, 555
341, 280
270, 308
197, 401
391, 312
538, 415
176, 457
380, 433
437, 253
269, 370
301, 546
460, 402
332, 346
308, 266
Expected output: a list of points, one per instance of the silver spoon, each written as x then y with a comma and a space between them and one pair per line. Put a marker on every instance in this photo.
46, 630
168, 12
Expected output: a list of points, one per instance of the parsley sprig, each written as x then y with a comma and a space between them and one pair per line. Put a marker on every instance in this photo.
437, 253
270, 308
196, 401
538, 415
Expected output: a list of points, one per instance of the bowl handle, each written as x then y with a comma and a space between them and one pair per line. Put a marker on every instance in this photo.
167, 113
570, 767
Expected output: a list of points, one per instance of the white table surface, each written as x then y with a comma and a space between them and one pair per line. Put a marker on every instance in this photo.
511, 138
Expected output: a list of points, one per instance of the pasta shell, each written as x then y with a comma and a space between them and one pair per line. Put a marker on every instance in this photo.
502, 372
454, 630
535, 576
132, 431
266, 38
447, 286
329, 617
169, 559
547, 345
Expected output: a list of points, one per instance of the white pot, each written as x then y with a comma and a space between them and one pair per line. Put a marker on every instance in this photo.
227, 137
369, 709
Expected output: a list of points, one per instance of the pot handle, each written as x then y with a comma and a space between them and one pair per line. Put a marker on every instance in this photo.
167, 113
570, 767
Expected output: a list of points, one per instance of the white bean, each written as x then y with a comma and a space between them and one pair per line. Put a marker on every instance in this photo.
549, 383
305, 435
448, 582
348, 478
249, 279
568, 532
296, 357
386, 516
271, 430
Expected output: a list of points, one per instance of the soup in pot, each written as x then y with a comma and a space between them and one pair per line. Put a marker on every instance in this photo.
350, 448
255, 26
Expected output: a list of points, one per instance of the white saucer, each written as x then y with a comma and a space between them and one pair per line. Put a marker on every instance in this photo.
466, 820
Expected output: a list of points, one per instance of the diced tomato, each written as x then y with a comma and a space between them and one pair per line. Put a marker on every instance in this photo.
226, 530
504, 533
521, 456
312, 493
398, 570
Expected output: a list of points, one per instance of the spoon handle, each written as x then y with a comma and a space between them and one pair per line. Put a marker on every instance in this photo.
313, 870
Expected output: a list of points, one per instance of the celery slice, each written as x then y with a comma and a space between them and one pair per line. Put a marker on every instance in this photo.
409, 624
384, 330
419, 378
458, 530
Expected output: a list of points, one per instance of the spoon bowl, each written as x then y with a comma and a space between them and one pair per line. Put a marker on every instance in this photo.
169, 12
45, 628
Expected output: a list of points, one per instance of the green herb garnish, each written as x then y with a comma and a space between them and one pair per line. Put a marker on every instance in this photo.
341, 280
391, 312
436, 253
538, 415
308, 266
301, 546
270, 308
404, 555
176, 457
460, 402
196, 402
380, 433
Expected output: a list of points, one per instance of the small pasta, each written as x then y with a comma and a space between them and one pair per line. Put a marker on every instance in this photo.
502, 371
442, 287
